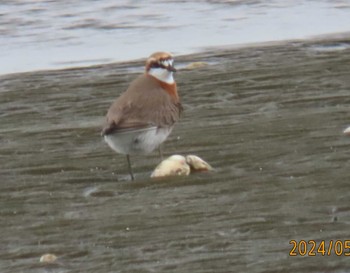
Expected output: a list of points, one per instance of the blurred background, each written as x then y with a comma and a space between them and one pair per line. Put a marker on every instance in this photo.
46, 34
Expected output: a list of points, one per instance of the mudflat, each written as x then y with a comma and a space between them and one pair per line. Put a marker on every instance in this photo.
268, 118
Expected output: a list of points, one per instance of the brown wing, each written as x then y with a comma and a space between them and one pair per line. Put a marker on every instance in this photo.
145, 103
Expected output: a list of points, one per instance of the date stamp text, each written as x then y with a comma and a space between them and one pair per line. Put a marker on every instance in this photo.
322, 248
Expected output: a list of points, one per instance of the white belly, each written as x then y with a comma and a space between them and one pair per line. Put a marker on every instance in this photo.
141, 141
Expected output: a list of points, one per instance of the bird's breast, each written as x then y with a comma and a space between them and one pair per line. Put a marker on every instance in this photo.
171, 89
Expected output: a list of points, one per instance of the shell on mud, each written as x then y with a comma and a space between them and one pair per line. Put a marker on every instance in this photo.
198, 164
347, 131
174, 165
48, 258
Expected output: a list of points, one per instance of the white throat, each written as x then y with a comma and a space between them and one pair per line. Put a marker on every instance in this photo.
162, 74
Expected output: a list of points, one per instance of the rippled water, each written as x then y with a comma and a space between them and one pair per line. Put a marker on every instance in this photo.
50, 34
269, 119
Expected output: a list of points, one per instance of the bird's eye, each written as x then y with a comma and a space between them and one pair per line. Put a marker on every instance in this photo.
156, 65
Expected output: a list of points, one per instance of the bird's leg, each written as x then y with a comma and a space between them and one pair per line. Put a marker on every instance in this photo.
130, 168
160, 152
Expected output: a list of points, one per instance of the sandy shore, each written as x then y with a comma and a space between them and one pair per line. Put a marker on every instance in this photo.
326, 41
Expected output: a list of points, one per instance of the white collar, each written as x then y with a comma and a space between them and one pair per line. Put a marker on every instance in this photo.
162, 74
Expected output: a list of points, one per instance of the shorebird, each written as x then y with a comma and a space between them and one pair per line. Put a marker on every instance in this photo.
142, 117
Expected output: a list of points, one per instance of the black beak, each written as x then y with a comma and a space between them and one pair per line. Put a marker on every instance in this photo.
167, 66
171, 68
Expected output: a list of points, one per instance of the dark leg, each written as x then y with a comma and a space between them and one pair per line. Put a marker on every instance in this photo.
129, 166
160, 152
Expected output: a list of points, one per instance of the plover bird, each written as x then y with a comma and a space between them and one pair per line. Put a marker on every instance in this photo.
142, 118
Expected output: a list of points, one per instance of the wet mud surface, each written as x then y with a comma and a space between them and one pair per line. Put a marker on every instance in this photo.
269, 119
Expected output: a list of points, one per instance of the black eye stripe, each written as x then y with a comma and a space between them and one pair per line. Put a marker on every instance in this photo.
158, 64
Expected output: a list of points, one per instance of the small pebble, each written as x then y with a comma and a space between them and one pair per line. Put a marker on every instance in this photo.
48, 258
195, 65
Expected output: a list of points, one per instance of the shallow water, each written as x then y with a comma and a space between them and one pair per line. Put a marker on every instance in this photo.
47, 34
269, 119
